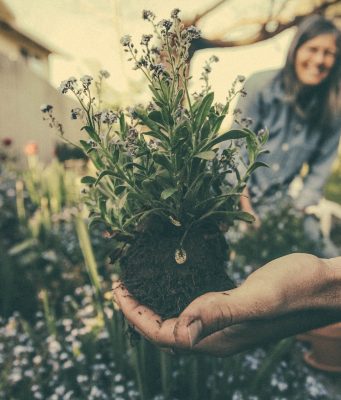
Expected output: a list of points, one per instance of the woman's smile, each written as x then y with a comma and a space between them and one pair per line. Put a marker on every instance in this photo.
315, 59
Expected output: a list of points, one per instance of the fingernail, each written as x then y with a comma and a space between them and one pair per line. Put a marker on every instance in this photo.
194, 331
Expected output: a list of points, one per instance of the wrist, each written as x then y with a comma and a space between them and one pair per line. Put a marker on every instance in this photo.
333, 288
317, 285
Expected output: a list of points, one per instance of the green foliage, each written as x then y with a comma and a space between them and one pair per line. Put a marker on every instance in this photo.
38, 238
163, 159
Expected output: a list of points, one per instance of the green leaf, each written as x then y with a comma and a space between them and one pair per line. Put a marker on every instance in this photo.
156, 94
94, 220
142, 215
166, 118
147, 121
88, 180
256, 165
214, 202
86, 146
105, 173
178, 99
122, 201
150, 187
205, 131
120, 189
136, 197
265, 137
158, 103
162, 160
181, 134
228, 216
156, 116
252, 147
164, 179
96, 159
198, 190
195, 184
168, 193
263, 152
206, 155
123, 125
92, 133
131, 165
217, 123
203, 110
102, 206
230, 135
160, 136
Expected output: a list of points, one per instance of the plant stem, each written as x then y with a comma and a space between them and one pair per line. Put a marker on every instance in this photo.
271, 360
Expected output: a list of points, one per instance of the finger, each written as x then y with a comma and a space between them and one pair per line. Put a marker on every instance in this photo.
143, 319
205, 315
218, 344
120, 293
215, 311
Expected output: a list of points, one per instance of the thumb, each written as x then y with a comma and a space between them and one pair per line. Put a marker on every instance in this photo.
188, 331
207, 314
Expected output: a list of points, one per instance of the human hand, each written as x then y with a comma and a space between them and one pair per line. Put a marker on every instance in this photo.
292, 294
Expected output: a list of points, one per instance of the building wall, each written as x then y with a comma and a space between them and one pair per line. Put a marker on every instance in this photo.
8, 47
16, 47
22, 93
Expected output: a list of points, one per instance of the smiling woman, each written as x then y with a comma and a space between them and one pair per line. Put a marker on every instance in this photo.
315, 59
300, 104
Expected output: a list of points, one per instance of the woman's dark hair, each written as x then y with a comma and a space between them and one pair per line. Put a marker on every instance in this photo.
320, 103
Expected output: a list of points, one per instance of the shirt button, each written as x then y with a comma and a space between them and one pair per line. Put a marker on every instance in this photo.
285, 147
275, 167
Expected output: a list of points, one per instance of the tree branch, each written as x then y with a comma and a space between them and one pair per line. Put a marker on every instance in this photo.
262, 34
198, 17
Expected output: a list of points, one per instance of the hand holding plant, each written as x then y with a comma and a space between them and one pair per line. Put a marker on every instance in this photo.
160, 185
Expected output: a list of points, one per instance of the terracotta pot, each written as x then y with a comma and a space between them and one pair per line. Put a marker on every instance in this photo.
325, 351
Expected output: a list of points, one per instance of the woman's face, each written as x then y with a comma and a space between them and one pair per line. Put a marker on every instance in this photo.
315, 59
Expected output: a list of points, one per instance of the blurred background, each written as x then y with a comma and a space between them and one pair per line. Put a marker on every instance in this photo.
60, 337
43, 43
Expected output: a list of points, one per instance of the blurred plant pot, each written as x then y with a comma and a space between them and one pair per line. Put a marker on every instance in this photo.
325, 351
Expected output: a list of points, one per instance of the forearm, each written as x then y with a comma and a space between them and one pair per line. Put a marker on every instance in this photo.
294, 283
325, 292
333, 290
238, 338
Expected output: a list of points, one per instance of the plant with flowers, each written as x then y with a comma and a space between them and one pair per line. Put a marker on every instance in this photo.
163, 167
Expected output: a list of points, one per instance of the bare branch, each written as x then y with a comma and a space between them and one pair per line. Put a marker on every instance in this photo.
282, 8
198, 17
262, 34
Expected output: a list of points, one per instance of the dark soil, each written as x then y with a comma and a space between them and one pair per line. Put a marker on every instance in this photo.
152, 276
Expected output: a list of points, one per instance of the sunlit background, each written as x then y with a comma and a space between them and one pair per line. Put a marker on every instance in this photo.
85, 37
77, 37
60, 336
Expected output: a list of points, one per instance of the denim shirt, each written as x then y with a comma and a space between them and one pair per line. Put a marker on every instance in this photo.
292, 142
